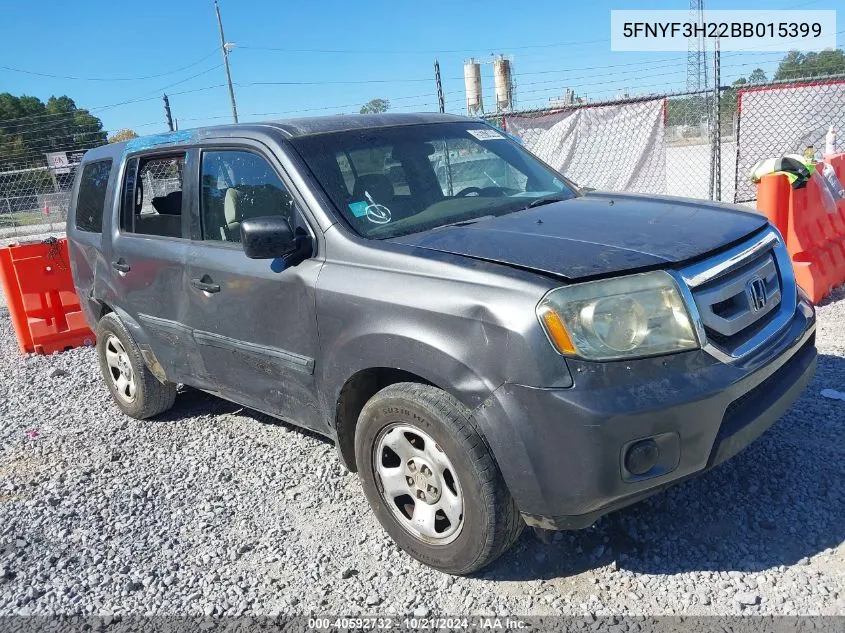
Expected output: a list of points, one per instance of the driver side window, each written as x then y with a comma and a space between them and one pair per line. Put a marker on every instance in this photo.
238, 185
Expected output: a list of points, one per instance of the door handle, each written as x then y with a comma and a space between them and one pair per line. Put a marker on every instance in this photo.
121, 266
205, 286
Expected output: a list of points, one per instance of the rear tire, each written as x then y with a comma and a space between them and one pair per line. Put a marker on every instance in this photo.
431, 480
133, 387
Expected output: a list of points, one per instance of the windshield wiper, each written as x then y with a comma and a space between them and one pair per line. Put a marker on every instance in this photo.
555, 197
463, 222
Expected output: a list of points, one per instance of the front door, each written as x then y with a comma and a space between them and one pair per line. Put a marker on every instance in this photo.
255, 326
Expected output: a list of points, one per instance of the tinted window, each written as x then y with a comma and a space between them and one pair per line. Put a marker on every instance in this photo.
405, 179
92, 196
152, 196
238, 185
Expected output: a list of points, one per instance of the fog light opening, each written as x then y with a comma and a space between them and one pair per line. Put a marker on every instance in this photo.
642, 457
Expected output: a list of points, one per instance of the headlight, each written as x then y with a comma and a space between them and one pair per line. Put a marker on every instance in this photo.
637, 315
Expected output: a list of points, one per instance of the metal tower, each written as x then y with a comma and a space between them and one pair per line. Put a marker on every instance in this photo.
696, 52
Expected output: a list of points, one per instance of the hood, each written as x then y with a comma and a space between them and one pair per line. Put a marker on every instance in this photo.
596, 234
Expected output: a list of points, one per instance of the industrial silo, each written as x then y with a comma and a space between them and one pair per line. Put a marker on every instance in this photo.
472, 84
503, 83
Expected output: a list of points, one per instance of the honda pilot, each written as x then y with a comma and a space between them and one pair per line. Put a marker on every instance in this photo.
487, 345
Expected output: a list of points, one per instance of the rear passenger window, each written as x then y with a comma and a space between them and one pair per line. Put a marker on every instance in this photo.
238, 185
91, 197
152, 196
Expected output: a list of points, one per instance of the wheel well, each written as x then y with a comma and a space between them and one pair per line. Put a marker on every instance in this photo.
354, 395
105, 309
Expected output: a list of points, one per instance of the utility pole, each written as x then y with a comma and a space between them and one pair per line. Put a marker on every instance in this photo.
440, 99
224, 47
167, 113
716, 187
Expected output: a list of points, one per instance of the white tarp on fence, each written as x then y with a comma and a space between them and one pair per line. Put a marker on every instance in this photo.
774, 121
611, 147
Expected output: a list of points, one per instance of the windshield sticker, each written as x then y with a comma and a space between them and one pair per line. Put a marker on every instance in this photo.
359, 209
485, 134
378, 214
375, 213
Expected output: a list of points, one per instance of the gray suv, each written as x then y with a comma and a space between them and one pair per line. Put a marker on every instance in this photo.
513, 351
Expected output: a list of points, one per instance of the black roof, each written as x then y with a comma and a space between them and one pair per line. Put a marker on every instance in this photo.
289, 127
343, 122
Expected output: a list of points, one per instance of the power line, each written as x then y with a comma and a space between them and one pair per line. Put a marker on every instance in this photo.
343, 51
330, 107
51, 125
30, 125
24, 154
112, 105
29, 152
158, 91
169, 72
591, 85
678, 64
333, 83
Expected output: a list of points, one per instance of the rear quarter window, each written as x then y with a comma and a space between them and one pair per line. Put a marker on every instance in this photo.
91, 198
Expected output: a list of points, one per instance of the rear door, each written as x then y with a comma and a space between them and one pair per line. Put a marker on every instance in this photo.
94, 185
255, 325
150, 245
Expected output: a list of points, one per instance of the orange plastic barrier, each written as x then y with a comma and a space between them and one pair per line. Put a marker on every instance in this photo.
837, 161
814, 237
43, 304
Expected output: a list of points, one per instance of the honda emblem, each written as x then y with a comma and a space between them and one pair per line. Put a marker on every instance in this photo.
756, 291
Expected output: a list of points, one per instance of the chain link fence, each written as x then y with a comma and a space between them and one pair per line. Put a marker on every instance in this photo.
34, 199
785, 118
667, 144
159, 177
703, 147
612, 145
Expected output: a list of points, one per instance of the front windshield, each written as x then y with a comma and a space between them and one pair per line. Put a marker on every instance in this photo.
398, 180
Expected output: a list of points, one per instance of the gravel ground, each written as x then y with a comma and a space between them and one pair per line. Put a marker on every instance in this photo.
215, 509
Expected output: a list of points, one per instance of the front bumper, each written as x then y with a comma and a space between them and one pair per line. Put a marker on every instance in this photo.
561, 451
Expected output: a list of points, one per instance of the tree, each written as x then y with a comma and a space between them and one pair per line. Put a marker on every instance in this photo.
124, 134
796, 65
374, 106
686, 110
727, 102
757, 76
30, 128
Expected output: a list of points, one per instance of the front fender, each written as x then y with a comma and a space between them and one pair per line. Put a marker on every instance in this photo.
395, 351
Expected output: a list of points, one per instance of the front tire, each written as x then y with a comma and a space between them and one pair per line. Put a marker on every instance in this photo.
133, 387
431, 480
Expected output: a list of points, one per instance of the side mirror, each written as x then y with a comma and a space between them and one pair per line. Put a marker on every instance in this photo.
271, 237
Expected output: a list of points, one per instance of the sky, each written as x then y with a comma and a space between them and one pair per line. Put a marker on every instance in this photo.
327, 57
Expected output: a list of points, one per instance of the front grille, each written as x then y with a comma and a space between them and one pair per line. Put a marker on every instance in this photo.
739, 303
